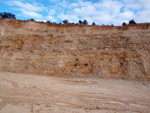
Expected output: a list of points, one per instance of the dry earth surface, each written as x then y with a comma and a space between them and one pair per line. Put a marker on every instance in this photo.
24, 93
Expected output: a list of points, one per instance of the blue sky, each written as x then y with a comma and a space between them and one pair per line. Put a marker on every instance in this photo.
99, 11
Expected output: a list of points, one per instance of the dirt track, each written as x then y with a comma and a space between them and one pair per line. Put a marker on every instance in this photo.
22, 93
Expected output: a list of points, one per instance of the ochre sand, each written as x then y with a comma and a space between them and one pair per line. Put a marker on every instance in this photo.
67, 49
24, 93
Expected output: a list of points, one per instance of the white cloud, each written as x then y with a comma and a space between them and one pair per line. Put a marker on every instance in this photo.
143, 16
50, 18
52, 12
88, 10
98, 11
108, 11
30, 14
72, 5
101, 13
126, 14
27, 6
27, 9
71, 18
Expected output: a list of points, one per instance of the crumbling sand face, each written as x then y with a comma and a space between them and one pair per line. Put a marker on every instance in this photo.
104, 51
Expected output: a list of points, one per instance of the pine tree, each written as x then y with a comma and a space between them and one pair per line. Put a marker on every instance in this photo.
93, 23
65, 21
132, 22
123, 24
85, 22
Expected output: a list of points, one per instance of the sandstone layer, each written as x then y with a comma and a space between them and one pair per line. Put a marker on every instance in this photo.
75, 50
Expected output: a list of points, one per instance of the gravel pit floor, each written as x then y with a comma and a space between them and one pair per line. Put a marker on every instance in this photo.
25, 93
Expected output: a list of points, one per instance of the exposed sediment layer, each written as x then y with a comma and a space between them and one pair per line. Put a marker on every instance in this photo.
50, 49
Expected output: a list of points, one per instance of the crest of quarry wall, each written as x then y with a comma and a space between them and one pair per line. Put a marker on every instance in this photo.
75, 50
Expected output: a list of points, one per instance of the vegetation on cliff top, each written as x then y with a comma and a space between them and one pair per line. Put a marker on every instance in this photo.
7, 15
80, 22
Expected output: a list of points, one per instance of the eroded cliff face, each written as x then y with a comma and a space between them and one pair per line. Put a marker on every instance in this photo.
75, 50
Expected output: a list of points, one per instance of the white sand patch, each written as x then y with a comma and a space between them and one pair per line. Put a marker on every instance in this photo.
14, 109
2, 32
112, 102
61, 104
136, 105
7, 84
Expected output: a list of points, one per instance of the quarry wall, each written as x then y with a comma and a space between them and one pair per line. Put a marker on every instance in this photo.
75, 50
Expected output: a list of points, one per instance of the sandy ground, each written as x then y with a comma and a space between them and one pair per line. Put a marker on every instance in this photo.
24, 93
